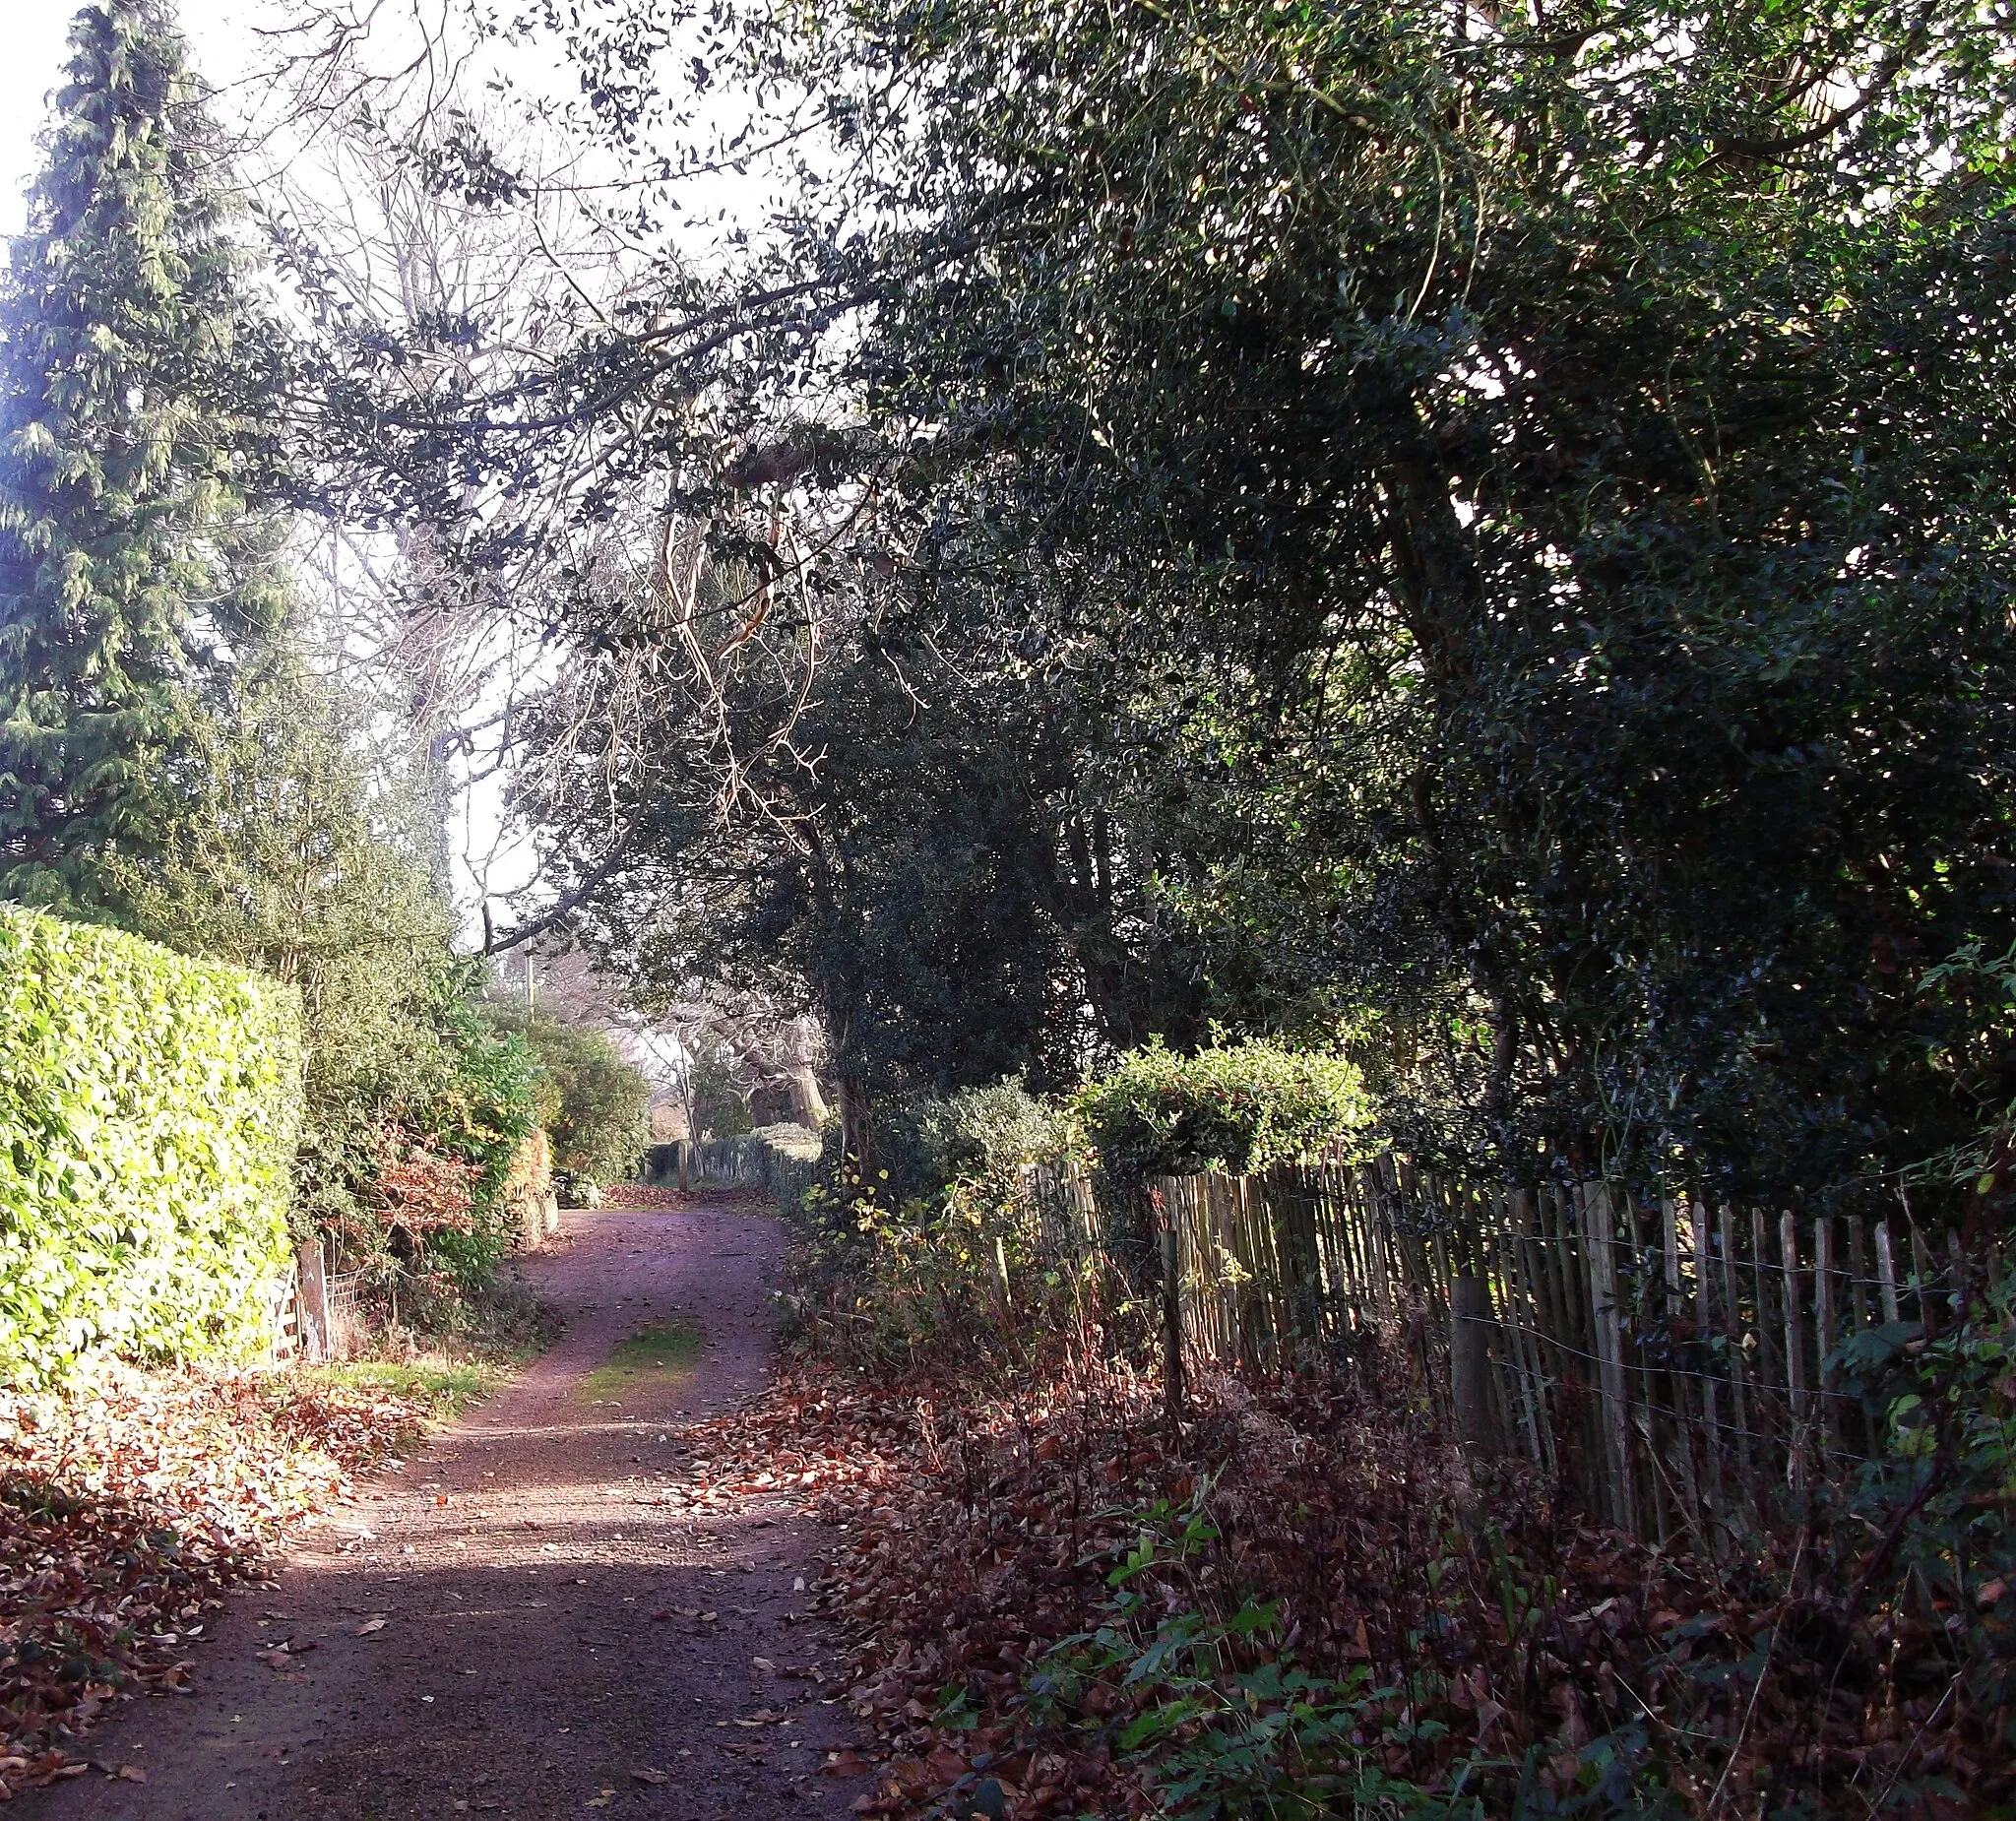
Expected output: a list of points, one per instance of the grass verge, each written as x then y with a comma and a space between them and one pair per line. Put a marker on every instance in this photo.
445, 1388
658, 1355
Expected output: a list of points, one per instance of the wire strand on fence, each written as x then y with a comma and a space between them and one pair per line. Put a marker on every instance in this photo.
1600, 1306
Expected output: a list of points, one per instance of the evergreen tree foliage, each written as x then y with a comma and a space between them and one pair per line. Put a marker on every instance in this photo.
292, 850
291, 847
123, 468
1481, 535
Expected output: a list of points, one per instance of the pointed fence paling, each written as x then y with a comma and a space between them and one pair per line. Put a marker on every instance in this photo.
1668, 1360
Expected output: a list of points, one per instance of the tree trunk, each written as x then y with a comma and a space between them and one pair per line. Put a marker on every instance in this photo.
806, 1099
856, 1132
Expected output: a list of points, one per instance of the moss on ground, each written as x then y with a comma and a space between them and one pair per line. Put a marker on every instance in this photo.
658, 1355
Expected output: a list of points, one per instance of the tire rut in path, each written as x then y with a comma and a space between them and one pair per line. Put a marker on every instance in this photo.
521, 1563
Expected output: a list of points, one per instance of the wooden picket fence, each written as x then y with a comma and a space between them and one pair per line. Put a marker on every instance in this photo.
1067, 1216
1669, 1362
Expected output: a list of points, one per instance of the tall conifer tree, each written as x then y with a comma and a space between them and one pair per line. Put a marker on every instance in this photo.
121, 473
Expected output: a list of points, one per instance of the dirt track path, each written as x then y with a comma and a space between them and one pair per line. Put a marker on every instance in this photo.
522, 1565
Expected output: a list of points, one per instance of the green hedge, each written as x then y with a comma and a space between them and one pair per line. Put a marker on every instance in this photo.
1240, 1108
149, 1106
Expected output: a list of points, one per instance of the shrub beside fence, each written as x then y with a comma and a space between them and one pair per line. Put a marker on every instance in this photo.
149, 1106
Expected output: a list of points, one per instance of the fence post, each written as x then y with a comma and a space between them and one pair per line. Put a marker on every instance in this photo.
1470, 1326
1886, 1274
1681, 1428
1596, 1226
1704, 1327
311, 1303
1799, 1402
1825, 1330
1001, 1276
1171, 1310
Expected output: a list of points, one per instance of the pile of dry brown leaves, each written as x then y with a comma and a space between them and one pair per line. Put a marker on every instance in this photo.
127, 1508
1485, 1627
646, 1195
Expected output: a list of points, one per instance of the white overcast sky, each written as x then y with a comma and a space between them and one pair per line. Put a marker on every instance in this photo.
31, 33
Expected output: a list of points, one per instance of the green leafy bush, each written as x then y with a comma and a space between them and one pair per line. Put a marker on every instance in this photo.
148, 1112
1240, 1107
901, 1284
483, 1098
1940, 1493
1237, 1108
948, 1252
434, 1090
988, 1132
595, 1105
301, 853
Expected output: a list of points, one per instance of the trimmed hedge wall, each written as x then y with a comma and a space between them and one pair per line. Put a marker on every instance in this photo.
149, 1107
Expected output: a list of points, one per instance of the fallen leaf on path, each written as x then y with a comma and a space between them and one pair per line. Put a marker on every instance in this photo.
846, 1763
132, 1772
649, 1775
376, 1622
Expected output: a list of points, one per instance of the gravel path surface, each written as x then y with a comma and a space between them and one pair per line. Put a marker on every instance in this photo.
527, 1620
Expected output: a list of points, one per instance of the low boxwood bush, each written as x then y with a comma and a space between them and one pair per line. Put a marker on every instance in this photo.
149, 1106
1239, 1108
